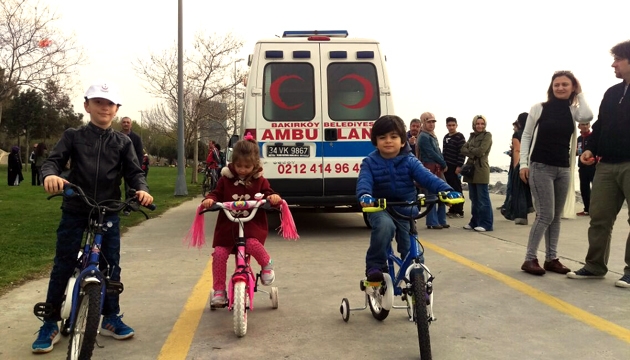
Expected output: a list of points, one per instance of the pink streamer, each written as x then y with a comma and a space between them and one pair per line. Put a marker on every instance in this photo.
287, 226
196, 236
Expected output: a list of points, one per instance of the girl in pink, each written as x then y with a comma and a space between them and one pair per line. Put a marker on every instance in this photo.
240, 180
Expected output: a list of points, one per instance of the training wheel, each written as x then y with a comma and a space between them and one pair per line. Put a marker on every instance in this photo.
273, 295
344, 309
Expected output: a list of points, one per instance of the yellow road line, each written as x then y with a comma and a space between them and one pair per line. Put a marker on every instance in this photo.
562, 306
178, 342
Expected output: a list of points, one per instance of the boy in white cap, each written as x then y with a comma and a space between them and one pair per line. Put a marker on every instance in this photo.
100, 157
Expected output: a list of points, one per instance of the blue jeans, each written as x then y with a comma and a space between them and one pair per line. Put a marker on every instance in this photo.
480, 206
437, 215
69, 239
384, 227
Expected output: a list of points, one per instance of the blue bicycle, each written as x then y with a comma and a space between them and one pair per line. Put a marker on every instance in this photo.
413, 281
86, 288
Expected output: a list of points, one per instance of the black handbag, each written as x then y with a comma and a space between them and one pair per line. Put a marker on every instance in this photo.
468, 170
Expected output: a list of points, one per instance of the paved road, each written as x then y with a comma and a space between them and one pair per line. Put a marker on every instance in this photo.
486, 307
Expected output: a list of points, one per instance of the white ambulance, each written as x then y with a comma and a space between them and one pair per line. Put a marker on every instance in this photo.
311, 100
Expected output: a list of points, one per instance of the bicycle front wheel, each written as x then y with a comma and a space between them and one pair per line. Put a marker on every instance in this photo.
420, 315
240, 309
85, 327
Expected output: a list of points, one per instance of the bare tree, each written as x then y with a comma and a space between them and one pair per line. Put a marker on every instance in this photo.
208, 79
32, 50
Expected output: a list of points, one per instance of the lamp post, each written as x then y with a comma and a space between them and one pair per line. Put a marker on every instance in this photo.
235, 85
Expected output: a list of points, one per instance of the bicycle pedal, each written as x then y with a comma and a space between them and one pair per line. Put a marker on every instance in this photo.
114, 287
372, 283
43, 309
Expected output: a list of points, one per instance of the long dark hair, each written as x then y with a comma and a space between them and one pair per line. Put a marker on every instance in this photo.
39, 150
557, 74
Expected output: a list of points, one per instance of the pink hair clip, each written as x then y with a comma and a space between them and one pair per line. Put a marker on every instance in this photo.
248, 136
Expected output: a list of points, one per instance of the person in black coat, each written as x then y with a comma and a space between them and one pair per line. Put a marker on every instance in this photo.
15, 176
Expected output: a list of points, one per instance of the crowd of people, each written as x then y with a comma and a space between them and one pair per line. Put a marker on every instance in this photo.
543, 151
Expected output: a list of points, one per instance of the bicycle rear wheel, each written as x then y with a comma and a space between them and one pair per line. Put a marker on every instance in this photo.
85, 327
240, 309
420, 316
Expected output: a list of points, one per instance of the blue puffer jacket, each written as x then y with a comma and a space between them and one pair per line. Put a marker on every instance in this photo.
393, 179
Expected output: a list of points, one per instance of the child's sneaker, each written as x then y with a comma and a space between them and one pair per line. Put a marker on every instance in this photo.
267, 275
48, 336
218, 298
113, 326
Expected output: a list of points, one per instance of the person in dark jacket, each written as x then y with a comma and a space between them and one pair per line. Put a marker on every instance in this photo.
518, 200
390, 172
100, 157
14, 176
586, 172
611, 186
136, 140
451, 150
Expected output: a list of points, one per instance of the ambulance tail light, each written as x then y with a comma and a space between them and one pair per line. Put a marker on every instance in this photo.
252, 132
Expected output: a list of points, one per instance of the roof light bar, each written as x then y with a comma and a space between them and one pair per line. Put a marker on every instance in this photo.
307, 33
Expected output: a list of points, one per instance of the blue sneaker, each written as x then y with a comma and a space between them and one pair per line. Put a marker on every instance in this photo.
113, 326
48, 336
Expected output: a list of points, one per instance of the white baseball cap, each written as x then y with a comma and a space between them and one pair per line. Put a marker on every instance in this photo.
103, 90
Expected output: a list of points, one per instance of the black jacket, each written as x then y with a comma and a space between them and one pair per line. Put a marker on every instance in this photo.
609, 138
98, 160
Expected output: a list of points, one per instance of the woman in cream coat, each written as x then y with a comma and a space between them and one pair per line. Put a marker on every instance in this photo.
548, 162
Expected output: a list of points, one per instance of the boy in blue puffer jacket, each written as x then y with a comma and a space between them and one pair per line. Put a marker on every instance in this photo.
389, 172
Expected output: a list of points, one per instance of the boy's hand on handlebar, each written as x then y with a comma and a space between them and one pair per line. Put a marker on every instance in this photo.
207, 203
366, 200
53, 184
274, 199
144, 198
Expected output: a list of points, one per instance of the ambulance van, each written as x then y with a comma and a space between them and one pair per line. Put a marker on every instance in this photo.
311, 100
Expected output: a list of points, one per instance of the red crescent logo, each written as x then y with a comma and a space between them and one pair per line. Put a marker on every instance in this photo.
274, 92
368, 91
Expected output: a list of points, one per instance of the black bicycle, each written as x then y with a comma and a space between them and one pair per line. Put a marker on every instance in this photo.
210, 180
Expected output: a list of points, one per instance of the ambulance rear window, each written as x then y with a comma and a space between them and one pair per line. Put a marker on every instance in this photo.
353, 92
289, 92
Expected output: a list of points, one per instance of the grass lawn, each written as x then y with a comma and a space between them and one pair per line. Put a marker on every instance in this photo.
29, 222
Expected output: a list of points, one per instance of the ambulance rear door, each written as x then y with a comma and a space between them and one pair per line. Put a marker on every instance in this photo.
355, 97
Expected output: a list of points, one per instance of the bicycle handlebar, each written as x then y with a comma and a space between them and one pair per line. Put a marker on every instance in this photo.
450, 198
237, 206
71, 190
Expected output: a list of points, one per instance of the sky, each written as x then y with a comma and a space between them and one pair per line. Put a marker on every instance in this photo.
452, 58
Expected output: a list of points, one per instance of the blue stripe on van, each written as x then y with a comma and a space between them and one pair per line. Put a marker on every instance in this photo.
335, 149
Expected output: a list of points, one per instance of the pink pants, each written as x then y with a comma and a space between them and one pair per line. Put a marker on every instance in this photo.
221, 255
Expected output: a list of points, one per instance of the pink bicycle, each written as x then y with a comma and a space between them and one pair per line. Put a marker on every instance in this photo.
244, 282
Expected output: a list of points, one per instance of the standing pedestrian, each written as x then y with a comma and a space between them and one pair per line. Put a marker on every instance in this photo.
136, 140
41, 153
477, 149
428, 151
547, 163
34, 176
451, 151
14, 176
611, 186
586, 172
414, 132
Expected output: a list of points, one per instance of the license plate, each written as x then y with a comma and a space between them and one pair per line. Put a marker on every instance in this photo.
288, 151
